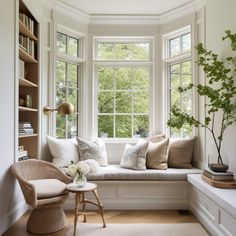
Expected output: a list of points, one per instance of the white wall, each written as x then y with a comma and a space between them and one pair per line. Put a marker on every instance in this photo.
220, 16
12, 204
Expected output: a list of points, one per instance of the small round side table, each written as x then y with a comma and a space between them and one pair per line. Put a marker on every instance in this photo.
81, 200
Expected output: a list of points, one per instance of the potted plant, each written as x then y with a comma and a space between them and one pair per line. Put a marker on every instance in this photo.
220, 92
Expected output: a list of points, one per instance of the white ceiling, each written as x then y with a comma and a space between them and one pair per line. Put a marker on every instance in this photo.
129, 7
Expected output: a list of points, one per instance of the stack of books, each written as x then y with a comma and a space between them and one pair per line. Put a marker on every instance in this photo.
218, 176
22, 154
27, 21
25, 128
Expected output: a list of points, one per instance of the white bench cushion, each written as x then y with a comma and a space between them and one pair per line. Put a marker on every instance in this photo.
115, 172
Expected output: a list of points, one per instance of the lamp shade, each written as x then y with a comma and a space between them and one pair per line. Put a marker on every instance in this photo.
65, 108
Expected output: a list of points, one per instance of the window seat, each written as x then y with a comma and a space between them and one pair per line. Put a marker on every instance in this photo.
115, 172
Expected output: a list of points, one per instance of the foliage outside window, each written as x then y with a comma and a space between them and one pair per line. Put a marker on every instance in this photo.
123, 91
179, 74
67, 89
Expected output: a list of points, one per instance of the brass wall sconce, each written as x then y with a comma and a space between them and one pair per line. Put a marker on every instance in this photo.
65, 108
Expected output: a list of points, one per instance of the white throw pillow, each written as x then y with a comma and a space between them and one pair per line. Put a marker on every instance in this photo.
94, 166
134, 157
63, 151
93, 150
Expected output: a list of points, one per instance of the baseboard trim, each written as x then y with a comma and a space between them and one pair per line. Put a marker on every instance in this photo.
11, 217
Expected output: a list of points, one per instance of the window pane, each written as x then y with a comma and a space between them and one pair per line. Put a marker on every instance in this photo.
186, 68
123, 126
141, 78
175, 98
141, 126
175, 133
174, 45
72, 47
123, 79
186, 130
72, 124
72, 76
175, 69
175, 81
187, 101
105, 51
61, 73
141, 52
123, 102
105, 126
186, 42
123, 51
60, 126
72, 97
61, 42
105, 78
105, 102
60, 95
141, 102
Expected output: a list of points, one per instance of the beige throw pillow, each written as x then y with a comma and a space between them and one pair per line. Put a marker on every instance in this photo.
156, 138
134, 157
181, 152
157, 155
93, 150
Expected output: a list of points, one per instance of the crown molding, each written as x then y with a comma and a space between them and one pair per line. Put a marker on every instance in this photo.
68, 10
108, 19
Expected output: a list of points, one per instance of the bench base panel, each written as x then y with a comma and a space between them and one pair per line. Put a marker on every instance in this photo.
140, 195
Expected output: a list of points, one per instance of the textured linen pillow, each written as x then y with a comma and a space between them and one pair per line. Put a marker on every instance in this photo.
181, 152
63, 151
156, 138
134, 157
157, 155
93, 150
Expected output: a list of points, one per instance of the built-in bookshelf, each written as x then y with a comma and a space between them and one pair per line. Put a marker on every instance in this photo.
28, 84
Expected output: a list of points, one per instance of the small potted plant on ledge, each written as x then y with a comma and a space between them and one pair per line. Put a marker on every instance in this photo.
220, 92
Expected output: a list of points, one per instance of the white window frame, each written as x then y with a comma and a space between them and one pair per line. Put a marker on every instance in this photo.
167, 61
111, 63
79, 61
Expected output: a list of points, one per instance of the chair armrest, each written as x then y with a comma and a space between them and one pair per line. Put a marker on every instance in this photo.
57, 173
29, 192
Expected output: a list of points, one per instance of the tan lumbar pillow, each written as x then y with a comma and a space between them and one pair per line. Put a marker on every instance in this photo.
181, 152
157, 155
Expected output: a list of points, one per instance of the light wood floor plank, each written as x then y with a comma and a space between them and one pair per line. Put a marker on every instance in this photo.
160, 216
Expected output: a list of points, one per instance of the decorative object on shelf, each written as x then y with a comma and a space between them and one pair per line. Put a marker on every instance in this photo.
65, 108
25, 100
78, 171
220, 91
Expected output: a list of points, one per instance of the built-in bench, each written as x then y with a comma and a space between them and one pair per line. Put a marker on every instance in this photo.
124, 189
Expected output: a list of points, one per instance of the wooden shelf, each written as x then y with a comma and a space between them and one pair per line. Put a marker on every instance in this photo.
25, 31
27, 135
25, 56
27, 109
27, 83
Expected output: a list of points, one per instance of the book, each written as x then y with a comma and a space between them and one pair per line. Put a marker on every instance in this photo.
22, 154
218, 177
218, 173
23, 158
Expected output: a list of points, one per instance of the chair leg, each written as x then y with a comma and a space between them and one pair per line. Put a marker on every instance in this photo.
45, 220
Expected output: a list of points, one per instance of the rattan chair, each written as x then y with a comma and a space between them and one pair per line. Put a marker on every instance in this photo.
43, 187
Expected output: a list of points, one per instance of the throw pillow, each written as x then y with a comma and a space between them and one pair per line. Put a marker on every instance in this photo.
63, 151
134, 157
181, 152
157, 155
156, 138
93, 150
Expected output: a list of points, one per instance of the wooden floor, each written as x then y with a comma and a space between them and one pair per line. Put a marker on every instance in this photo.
160, 216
